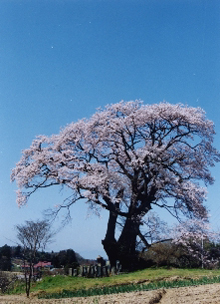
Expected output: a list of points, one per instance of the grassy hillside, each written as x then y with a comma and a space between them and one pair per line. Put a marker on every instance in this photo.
58, 284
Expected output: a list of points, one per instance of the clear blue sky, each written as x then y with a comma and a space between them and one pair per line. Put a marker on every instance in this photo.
60, 60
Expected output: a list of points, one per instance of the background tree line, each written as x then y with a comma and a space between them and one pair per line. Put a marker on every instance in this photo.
160, 254
177, 255
63, 259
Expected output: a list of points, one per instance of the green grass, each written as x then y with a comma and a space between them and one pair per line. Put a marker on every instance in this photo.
130, 288
139, 280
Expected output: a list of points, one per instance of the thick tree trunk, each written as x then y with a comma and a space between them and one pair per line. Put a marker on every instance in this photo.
123, 249
111, 248
126, 245
110, 243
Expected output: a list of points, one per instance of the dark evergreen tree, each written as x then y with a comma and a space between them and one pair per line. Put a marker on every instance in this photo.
5, 258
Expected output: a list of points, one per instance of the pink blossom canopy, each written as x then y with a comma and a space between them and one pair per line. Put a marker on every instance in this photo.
148, 154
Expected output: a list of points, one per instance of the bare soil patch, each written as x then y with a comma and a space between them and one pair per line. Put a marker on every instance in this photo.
203, 294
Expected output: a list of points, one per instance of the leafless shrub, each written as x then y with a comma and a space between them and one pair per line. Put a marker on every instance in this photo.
6, 281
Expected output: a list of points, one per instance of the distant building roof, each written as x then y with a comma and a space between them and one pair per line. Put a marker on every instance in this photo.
42, 264
39, 264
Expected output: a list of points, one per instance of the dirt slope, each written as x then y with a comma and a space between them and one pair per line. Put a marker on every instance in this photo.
184, 295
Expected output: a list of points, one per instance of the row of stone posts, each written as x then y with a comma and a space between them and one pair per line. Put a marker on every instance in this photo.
95, 271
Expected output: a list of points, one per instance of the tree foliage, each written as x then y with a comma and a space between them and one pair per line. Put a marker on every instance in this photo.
127, 158
5, 258
198, 241
65, 258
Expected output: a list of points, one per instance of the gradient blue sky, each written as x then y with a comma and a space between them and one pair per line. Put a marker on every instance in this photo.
60, 60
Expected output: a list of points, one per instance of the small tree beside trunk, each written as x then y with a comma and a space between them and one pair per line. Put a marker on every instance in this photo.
33, 236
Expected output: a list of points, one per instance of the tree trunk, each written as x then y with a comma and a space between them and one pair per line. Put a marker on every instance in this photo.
126, 245
122, 250
110, 243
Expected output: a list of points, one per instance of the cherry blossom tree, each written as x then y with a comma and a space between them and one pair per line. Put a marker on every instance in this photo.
127, 158
195, 235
